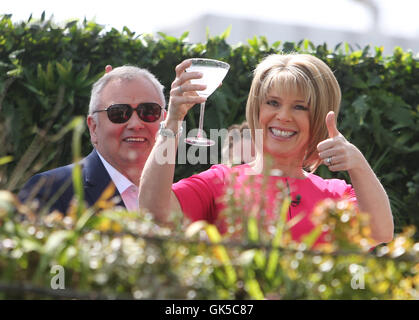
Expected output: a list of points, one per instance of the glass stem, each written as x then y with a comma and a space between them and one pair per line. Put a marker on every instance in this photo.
201, 120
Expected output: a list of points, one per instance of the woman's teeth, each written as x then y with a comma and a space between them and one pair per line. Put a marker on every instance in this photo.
281, 133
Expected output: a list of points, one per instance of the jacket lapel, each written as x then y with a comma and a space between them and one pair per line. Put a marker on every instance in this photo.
96, 179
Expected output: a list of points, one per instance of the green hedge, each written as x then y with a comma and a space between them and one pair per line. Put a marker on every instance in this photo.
46, 72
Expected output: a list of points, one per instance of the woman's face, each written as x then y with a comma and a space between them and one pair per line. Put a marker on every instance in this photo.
286, 125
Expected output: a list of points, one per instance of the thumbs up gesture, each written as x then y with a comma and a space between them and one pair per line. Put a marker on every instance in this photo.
336, 152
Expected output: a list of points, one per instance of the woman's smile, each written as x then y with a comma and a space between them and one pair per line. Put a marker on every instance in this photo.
282, 134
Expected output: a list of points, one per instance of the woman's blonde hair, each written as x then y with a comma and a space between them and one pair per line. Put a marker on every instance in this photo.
301, 74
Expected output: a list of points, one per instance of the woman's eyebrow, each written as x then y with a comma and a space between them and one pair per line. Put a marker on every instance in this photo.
279, 98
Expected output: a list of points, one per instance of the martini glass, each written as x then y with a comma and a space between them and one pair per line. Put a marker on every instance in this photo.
213, 72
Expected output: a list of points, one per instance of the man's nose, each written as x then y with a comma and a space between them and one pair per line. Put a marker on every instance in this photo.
135, 122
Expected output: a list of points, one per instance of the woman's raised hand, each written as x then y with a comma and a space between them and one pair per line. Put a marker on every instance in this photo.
336, 152
183, 94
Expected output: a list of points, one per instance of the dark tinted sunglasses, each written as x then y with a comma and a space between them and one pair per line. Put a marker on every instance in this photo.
122, 112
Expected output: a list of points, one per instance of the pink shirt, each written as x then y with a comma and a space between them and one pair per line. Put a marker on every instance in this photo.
199, 195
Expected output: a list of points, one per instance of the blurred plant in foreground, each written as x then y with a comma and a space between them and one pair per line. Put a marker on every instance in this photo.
109, 253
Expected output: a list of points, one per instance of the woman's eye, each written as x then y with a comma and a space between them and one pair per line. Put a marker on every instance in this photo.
300, 107
273, 103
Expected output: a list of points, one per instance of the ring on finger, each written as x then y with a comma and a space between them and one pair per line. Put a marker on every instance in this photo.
180, 89
329, 161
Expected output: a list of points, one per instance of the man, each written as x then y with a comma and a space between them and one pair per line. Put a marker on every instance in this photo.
122, 140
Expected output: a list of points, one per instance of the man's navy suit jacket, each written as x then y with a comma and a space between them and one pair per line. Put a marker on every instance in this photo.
95, 181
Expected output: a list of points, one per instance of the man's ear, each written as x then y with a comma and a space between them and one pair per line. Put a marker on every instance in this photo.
92, 124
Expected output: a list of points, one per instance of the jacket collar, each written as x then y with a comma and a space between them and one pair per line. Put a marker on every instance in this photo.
96, 178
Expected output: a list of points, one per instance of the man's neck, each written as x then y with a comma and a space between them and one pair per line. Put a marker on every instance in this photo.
133, 175
121, 178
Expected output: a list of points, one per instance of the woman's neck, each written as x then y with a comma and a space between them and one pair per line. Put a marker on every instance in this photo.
284, 167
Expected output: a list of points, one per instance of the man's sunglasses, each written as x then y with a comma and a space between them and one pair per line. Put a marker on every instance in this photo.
122, 112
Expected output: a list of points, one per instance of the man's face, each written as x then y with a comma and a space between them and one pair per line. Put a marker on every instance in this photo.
125, 146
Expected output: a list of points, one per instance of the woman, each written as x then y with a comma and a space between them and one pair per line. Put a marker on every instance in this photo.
294, 100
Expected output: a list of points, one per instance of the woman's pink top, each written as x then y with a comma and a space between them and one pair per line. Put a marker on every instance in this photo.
199, 195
